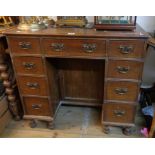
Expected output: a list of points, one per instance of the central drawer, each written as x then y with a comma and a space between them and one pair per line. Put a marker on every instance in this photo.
33, 85
74, 47
37, 106
28, 65
126, 91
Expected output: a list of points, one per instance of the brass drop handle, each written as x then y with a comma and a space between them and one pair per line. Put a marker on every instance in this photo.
36, 106
125, 49
89, 48
34, 85
25, 45
28, 65
122, 70
121, 91
119, 113
57, 46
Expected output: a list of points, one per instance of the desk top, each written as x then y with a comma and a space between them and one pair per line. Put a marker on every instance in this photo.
80, 32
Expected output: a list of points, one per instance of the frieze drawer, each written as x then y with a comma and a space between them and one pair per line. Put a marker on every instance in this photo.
126, 48
22, 45
74, 47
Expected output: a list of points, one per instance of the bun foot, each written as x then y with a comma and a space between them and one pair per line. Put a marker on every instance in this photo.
50, 125
127, 131
106, 129
33, 123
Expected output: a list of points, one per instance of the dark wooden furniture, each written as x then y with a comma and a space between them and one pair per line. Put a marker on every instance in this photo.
7, 87
5, 116
78, 67
9, 81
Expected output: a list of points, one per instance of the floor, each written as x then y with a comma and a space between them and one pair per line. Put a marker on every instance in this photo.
71, 122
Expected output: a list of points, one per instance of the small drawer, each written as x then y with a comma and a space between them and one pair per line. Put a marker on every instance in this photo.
74, 47
36, 106
126, 49
25, 45
126, 91
33, 85
125, 69
118, 113
28, 65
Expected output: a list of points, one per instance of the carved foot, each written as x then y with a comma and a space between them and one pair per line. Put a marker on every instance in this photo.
33, 123
106, 129
127, 131
50, 125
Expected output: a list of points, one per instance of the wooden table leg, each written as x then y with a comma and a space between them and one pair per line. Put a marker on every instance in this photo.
9, 82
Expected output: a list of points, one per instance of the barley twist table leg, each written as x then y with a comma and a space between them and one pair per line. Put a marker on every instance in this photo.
9, 90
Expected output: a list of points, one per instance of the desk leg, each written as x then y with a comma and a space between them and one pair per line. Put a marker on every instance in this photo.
106, 129
33, 123
51, 125
9, 84
127, 131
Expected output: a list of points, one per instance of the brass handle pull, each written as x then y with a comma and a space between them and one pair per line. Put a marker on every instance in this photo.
89, 48
122, 70
32, 85
125, 49
121, 91
25, 45
119, 113
57, 46
36, 106
28, 65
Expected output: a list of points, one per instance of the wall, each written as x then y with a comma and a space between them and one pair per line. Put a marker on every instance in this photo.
149, 67
148, 24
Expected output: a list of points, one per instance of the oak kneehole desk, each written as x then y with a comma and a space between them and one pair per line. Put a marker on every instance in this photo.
78, 67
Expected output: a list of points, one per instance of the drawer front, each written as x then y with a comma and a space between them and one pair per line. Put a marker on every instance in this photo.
118, 113
36, 106
33, 85
74, 47
126, 91
25, 45
126, 49
28, 65
125, 69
